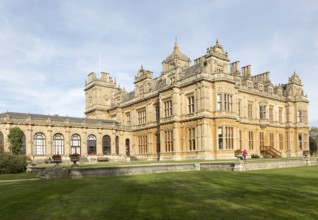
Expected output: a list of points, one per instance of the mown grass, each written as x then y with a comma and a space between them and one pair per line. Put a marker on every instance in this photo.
290, 193
17, 176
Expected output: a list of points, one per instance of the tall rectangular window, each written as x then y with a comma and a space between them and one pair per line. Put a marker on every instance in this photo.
219, 101
128, 118
190, 104
157, 112
281, 141
169, 141
168, 108
142, 144
250, 140
271, 114
280, 115
261, 139
250, 110
262, 112
220, 138
142, 117
271, 140
300, 141
299, 116
192, 145
229, 138
225, 138
224, 102
158, 142
227, 102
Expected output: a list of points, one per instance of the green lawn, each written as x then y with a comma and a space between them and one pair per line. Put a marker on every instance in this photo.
268, 194
17, 176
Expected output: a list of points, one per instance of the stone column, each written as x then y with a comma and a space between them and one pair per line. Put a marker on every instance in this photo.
198, 98
84, 142
49, 143
99, 143
67, 141
176, 102
204, 137
29, 141
199, 136
176, 141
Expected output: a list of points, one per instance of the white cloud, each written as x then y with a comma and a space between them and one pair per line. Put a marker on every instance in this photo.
48, 48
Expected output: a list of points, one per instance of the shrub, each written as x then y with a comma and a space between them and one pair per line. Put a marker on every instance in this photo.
12, 163
15, 139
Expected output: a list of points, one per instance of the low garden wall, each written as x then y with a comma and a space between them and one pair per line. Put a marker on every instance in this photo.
159, 168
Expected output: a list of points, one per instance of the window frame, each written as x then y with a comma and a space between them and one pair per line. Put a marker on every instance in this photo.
76, 144
91, 144
192, 138
106, 145
39, 144
58, 144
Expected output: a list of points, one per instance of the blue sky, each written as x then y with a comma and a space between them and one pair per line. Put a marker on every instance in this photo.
47, 48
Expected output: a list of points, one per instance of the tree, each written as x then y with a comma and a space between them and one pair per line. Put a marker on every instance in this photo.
312, 145
15, 138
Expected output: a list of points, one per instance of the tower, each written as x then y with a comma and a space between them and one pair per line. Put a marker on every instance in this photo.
99, 95
215, 60
173, 65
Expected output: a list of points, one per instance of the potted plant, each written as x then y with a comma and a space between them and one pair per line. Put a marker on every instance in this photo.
74, 157
238, 153
306, 153
57, 158
28, 160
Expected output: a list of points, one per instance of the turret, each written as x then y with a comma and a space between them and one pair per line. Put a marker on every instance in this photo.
99, 95
142, 82
215, 60
174, 64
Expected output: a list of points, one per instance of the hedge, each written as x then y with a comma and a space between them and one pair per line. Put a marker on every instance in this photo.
12, 163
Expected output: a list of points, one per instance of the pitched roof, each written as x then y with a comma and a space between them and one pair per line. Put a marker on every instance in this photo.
55, 118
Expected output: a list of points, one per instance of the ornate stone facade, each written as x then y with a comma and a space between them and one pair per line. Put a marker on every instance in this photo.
201, 111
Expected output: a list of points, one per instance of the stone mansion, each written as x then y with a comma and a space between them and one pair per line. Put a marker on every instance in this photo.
202, 110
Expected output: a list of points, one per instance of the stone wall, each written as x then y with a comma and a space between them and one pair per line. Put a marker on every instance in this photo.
160, 168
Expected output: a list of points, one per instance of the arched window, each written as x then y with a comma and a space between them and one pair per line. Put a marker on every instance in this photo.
76, 144
58, 144
117, 145
1, 142
106, 145
39, 144
91, 145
